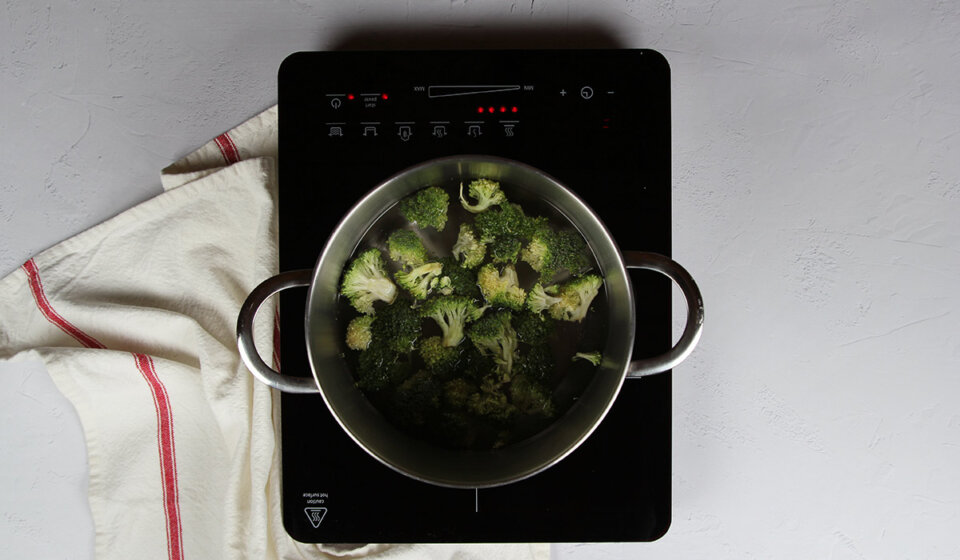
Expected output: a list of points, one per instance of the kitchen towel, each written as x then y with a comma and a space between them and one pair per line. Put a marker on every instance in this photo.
134, 320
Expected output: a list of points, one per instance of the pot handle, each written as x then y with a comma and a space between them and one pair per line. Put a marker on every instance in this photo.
691, 333
248, 350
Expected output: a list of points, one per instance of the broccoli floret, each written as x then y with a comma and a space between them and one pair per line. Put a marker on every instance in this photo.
468, 249
550, 251
379, 367
575, 297
417, 399
501, 289
493, 335
537, 364
530, 397
457, 280
397, 327
495, 378
451, 313
539, 299
366, 282
406, 248
570, 252
438, 358
592, 357
537, 252
418, 281
442, 285
487, 193
359, 333
456, 392
426, 208
454, 429
505, 249
474, 365
533, 328
507, 221
493, 405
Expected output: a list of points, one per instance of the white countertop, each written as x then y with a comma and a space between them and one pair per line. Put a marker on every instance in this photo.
816, 201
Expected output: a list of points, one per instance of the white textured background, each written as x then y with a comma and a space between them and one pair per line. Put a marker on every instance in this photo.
817, 202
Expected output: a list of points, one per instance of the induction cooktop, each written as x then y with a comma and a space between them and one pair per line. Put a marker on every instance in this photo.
599, 122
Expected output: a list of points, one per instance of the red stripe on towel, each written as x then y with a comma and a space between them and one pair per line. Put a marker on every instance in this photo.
36, 288
168, 457
161, 403
227, 148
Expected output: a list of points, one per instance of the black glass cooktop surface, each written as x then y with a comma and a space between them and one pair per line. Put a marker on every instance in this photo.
599, 122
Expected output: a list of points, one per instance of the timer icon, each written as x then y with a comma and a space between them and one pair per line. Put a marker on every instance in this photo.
586, 92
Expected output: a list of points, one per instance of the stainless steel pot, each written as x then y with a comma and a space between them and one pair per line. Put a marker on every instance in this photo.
413, 457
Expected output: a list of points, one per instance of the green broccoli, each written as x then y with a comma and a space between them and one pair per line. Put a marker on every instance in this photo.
359, 333
379, 367
454, 428
418, 281
575, 297
493, 335
550, 252
495, 378
592, 357
530, 397
474, 365
505, 249
438, 358
426, 208
537, 252
457, 391
533, 328
457, 280
536, 364
501, 289
451, 313
406, 248
468, 249
493, 405
442, 285
416, 399
397, 327
540, 299
505, 229
366, 282
487, 193
507, 221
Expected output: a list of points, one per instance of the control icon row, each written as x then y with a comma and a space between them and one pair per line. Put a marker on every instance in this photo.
405, 131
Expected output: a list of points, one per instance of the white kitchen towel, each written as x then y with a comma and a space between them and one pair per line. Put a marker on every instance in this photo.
134, 319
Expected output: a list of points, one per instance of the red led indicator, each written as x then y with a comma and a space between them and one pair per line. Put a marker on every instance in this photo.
350, 96
490, 109
503, 109
479, 109
384, 96
513, 109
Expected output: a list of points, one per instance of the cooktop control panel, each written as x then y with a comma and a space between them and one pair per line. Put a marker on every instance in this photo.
441, 113
598, 121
